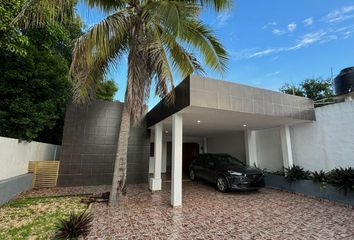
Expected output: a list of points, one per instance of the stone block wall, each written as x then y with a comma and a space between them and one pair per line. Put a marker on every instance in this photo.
89, 145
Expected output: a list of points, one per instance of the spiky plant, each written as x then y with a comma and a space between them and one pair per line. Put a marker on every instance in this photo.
159, 38
343, 178
78, 224
320, 176
295, 172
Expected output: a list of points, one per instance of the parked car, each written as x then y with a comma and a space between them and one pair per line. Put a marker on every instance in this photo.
226, 171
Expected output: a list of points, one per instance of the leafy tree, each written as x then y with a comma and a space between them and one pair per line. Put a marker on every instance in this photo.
34, 79
313, 88
106, 90
159, 38
11, 39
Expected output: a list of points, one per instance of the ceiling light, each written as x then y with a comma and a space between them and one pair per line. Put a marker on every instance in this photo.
244, 125
198, 121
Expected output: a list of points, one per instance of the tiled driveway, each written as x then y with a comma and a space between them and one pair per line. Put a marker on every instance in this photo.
208, 214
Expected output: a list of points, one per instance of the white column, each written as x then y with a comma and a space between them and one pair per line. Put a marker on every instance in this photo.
177, 139
286, 146
251, 147
155, 182
205, 145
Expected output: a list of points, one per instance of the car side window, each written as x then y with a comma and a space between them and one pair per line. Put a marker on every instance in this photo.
210, 162
198, 160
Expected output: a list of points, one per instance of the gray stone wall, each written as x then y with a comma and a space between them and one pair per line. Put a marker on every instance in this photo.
89, 145
218, 94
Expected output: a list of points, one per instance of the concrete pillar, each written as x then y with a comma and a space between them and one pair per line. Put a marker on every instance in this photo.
205, 145
155, 182
286, 146
177, 139
251, 147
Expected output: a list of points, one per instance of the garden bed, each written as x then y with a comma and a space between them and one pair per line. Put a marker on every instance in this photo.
35, 218
310, 188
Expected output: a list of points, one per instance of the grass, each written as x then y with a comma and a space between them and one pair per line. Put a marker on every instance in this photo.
34, 218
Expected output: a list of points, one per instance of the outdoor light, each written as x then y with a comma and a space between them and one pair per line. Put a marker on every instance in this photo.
244, 125
166, 131
198, 121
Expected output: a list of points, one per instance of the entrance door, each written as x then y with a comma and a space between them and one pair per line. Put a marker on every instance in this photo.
190, 151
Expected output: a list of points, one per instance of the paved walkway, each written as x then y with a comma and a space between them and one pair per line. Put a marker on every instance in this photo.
208, 214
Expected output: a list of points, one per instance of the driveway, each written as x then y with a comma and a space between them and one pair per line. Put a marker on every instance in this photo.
208, 214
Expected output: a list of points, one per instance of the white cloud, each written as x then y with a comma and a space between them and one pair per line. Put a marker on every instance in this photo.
278, 32
308, 21
291, 27
272, 74
304, 41
223, 18
340, 15
270, 24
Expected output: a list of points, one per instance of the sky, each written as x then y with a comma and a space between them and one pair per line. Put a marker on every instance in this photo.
271, 42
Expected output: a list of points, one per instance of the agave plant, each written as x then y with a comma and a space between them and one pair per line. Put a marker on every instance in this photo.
78, 224
320, 176
295, 172
343, 178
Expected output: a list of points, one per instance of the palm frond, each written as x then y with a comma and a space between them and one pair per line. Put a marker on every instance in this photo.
217, 5
94, 51
161, 64
172, 15
198, 35
107, 6
37, 13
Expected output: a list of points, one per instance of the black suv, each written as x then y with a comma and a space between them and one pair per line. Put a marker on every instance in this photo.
227, 172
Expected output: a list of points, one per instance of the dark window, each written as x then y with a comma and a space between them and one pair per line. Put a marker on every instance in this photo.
211, 162
229, 160
152, 149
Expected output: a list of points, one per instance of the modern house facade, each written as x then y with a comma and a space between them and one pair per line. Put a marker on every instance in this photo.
207, 116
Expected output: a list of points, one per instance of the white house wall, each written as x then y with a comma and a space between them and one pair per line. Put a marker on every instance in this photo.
233, 144
269, 151
328, 142
15, 155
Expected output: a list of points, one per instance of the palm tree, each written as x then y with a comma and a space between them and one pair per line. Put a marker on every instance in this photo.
158, 36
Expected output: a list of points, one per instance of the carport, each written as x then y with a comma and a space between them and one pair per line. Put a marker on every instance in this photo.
250, 123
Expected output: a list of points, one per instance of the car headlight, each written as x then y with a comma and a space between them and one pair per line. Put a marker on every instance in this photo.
234, 173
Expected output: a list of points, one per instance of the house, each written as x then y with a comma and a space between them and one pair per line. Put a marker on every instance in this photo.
207, 116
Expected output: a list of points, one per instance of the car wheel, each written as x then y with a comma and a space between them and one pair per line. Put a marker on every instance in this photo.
192, 175
221, 184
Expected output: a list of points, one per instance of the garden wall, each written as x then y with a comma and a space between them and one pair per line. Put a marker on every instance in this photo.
89, 145
328, 142
15, 155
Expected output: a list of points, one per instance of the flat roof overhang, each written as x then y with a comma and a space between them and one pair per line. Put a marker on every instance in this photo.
224, 106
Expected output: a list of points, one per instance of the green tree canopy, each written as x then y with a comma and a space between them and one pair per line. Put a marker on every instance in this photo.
313, 88
34, 79
106, 90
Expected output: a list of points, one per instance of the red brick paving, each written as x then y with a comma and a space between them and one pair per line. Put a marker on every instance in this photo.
208, 214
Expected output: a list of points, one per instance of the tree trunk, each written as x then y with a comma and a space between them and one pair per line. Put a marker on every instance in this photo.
120, 165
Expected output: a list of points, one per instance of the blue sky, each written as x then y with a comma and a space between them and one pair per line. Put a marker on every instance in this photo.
272, 42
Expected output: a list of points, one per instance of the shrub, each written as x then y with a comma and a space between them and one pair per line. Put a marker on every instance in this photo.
75, 226
320, 177
343, 178
296, 173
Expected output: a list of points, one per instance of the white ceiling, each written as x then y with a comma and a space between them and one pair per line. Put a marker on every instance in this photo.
217, 122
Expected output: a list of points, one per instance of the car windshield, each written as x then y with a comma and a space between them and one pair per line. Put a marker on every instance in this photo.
229, 160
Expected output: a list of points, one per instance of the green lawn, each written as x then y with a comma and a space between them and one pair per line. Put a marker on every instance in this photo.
35, 218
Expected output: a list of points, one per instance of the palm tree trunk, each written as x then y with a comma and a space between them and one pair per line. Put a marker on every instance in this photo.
120, 165
133, 103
